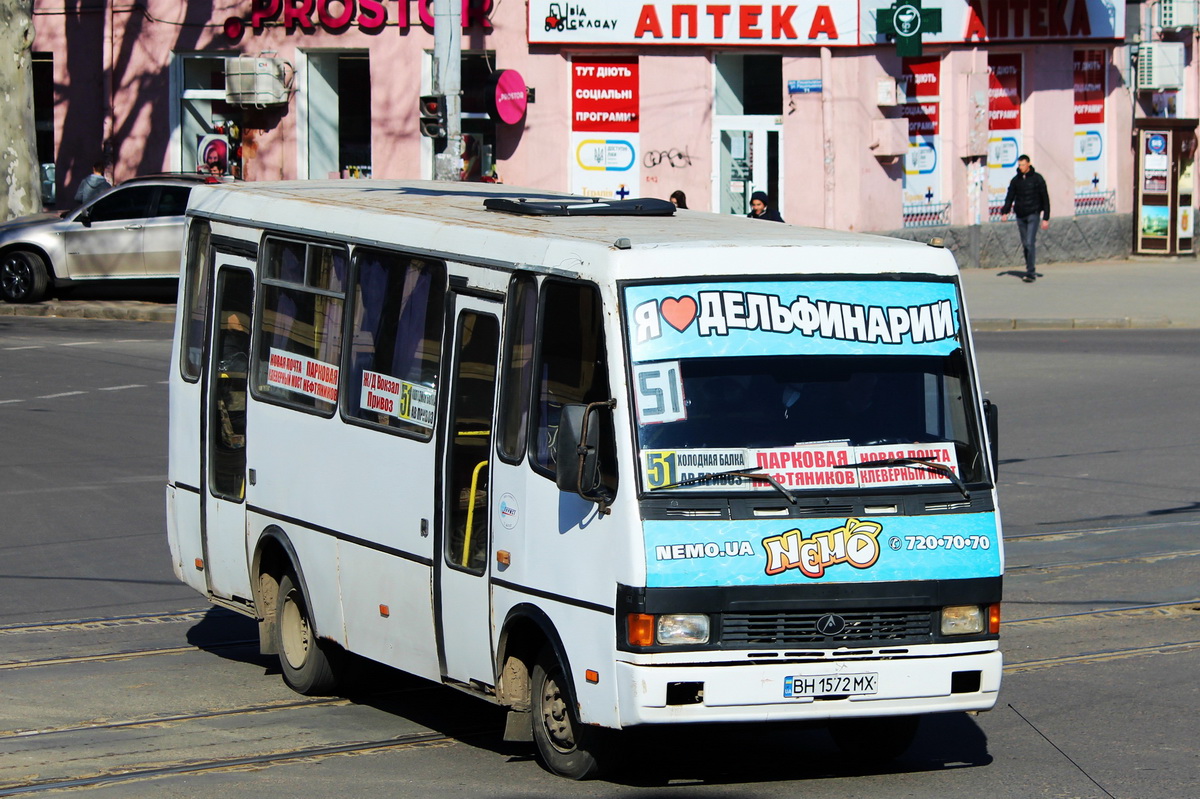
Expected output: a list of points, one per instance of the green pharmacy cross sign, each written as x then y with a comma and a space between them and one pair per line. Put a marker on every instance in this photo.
905, 21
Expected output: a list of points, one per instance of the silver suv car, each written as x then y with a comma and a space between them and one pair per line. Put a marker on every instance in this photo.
134, 230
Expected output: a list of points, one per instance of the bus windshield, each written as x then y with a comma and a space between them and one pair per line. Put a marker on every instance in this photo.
802, 418
820, 385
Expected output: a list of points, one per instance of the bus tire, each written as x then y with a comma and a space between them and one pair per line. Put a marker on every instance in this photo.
23, 276
876, 740
564, 745
305, 662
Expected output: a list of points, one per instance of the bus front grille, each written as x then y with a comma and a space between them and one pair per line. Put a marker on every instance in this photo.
793, 628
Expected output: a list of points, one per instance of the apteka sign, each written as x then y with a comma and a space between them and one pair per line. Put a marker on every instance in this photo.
823, 23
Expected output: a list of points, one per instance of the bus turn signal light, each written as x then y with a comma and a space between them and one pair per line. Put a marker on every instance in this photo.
994, 619
640, 628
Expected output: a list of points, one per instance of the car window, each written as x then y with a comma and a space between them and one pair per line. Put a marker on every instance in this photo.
131, 203
173, 201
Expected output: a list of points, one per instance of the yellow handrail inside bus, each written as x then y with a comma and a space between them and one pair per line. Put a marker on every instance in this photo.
466, 555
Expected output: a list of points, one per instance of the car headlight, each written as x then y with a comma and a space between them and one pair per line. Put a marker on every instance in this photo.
682, 628
962, 620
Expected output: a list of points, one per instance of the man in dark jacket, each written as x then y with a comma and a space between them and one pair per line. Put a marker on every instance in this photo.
1027, 196
92, 185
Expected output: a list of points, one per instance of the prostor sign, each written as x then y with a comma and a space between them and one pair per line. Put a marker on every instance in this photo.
824, 23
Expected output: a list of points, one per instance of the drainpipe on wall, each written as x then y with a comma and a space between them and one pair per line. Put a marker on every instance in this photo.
827, 130
447, 81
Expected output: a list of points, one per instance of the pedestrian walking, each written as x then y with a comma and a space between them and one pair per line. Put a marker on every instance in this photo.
760, 208
1028, 198
93, 184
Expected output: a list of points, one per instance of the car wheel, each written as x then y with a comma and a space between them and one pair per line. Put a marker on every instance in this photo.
23, 276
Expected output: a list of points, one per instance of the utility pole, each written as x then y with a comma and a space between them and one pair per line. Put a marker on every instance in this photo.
447, 81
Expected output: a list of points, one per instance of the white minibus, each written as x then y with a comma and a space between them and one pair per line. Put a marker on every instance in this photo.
603, 463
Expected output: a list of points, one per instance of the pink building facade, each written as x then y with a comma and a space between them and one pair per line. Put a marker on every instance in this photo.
810, 102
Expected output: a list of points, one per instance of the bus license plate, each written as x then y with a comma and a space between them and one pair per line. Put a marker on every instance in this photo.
830, 685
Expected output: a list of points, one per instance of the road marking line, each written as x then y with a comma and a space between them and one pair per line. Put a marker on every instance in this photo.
79, 343
121, 388
27, 347
64, 394
9, 402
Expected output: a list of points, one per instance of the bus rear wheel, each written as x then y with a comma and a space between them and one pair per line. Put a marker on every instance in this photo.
306, 663
564, 745
875, 740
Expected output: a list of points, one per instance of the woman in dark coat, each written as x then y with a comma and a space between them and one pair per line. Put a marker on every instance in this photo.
761, 209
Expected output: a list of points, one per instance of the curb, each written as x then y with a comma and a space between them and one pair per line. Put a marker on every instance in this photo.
130, 313
1115, 323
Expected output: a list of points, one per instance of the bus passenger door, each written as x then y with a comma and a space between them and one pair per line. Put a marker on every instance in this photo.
461, 588
223, 526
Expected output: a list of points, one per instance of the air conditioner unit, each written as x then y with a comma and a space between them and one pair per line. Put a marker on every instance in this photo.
1176, 14
1160, 66
256, 80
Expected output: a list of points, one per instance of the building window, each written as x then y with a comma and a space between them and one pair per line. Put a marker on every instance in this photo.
211, 128
43, 122
338, 103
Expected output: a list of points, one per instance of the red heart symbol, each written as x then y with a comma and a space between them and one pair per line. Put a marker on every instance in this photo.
679, 313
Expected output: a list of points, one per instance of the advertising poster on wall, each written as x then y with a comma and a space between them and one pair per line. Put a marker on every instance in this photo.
1004, 124
1156, 161
212, 154
920, 79
1091, 89
605, 102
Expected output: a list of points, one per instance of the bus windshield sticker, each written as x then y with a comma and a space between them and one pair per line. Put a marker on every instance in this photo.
690, 552
904, 474
803, 466
843, 317
303, 375
666, 467
659, 393
401, 399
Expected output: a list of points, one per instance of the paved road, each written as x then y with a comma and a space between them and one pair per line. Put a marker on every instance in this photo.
160, 695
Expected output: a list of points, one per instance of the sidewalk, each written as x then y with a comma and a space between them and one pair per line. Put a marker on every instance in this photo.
1100, 294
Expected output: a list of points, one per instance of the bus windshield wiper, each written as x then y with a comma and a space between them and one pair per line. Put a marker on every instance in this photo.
747, 473
932, 466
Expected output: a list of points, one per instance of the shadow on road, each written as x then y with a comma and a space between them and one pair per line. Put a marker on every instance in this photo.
162, 291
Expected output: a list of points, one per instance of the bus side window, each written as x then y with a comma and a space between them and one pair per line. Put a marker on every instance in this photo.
300, 345
572, 367
396, 345
195, 299
517, 381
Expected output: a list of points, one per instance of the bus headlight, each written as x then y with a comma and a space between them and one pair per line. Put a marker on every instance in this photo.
962, 620
682, 628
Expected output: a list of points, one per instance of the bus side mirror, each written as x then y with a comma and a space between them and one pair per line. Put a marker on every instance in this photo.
577, 452
991, 417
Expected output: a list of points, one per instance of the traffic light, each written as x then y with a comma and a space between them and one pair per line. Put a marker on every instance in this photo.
433, 116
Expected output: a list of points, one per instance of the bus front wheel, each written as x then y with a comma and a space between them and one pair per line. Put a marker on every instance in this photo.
306, 665
565, 746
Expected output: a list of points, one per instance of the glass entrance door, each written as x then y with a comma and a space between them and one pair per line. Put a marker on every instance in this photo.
748, 158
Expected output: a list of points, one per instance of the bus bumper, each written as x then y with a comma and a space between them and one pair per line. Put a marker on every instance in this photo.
775, 692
